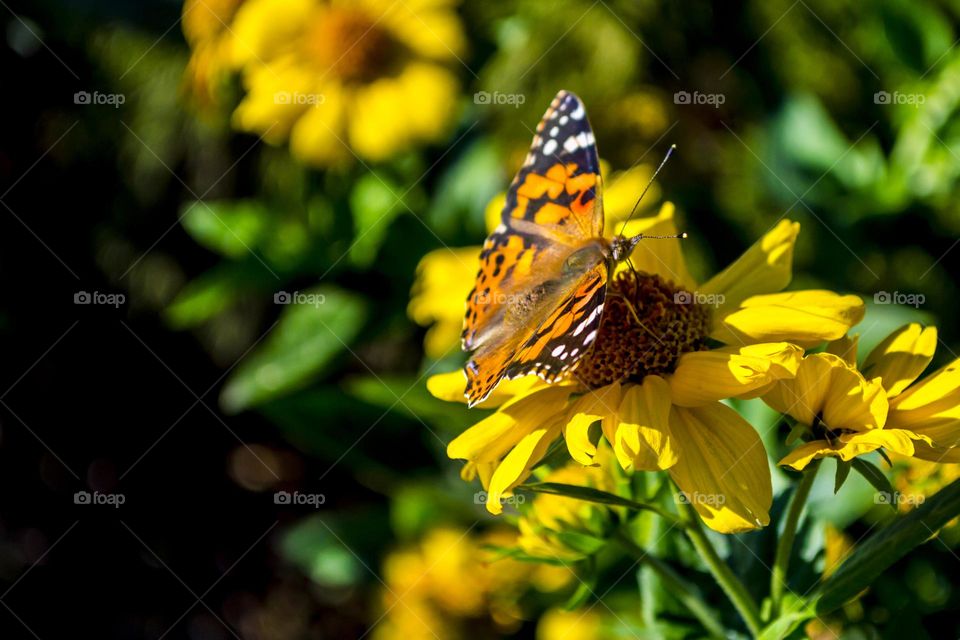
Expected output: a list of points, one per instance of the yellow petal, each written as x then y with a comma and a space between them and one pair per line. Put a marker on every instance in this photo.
491, 438
806, 318
804, 396
431, 31
827, 389
901, 357
933, 402
318, 136
855, 403
845, 348
642, 441
934, 453
722, 468
516, 466
621, 190
450, 387
596, 404
259, 31
763, 268
850, 446
702, 377
662, 257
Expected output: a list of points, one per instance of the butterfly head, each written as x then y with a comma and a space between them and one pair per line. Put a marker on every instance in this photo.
621, 247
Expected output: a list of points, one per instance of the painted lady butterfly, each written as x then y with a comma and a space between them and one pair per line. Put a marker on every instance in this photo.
538, 299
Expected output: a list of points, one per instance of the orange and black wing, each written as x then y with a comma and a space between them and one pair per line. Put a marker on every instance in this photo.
553, 204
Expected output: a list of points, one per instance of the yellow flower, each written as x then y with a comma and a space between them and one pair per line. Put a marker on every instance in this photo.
850, 412
445, 276
655, 387
930, 407
204, 24
556, 527
559, 624
333, 76
449, 582
916, 479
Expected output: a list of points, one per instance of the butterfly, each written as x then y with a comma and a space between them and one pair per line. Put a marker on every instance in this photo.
537, 303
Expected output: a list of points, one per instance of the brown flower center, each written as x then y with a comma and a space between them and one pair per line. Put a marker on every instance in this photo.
664, 323
351, 44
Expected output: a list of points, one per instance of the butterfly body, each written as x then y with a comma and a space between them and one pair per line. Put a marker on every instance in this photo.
538, 299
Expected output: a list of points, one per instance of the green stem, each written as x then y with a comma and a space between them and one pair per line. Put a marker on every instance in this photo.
676, 585
731, 585
778, 577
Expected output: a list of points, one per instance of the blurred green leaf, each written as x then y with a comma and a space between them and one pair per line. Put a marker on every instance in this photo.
586, 584
231, 228
317, 545
375, 202
409, 395
214, 291
882, 549
304, 341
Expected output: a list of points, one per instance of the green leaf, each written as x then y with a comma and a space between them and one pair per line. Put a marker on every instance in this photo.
307, 337
843, 472
375, 202
587, 583
593, 495
231, 228
880, 551
795, 613
875, 477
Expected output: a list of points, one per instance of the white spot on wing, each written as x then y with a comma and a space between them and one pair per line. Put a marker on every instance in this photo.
556, 352
570, 144
550, 147
579, 113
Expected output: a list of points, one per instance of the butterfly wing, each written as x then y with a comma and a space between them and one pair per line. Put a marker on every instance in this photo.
550, 340
552, 206
559, 343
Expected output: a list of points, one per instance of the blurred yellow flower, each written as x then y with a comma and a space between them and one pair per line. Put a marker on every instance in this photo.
850, 412
654, 384
450, 584
445, 276
204, 24
916, 479
339, 77
558, 624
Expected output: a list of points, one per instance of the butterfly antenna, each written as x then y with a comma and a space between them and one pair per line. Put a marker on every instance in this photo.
647, 188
